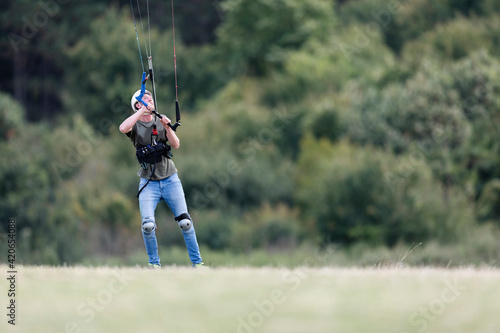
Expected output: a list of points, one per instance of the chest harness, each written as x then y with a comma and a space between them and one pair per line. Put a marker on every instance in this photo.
152, 154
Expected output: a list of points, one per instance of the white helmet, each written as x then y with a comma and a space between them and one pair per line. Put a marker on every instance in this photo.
134, 99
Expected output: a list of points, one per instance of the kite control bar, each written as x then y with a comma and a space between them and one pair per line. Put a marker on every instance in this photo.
143, 91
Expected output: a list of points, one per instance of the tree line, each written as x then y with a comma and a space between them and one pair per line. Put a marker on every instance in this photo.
352, 122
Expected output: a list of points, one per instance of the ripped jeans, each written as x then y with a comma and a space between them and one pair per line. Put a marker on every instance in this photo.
170, 190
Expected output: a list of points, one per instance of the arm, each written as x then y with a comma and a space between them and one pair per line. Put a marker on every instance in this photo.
171, 136
128, 123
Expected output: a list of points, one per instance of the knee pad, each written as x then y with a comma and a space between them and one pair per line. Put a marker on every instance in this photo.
184, 221
148, 226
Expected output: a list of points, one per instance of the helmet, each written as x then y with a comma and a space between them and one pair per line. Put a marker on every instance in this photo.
134, 99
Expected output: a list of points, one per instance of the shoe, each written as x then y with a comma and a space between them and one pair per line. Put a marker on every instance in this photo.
154, 266
198, 265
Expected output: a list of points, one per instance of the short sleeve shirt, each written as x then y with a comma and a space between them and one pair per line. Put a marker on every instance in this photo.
141, 135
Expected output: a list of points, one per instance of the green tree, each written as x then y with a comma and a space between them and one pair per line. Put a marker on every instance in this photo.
35, 36
107, 69
11, 117
256, 35
454, 40
353, 194
36, 166
403, 21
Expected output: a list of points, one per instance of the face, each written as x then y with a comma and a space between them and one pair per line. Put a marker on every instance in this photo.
146, 98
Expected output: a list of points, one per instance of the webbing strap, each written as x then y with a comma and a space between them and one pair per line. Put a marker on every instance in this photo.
150, 177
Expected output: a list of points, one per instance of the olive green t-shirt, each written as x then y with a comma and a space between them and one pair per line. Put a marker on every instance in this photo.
141, 135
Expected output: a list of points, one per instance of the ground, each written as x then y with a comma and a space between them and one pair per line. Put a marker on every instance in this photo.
244, 300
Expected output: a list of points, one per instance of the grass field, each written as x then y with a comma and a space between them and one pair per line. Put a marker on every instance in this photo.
305, 300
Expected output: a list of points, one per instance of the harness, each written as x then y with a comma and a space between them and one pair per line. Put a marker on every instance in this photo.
148, 154
152, 154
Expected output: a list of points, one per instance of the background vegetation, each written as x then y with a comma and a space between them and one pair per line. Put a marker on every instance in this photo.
364, 125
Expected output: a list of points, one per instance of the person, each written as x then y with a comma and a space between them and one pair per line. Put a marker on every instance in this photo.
158, 177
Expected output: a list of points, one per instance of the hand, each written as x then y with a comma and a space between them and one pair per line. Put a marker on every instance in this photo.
145, 111
165, 121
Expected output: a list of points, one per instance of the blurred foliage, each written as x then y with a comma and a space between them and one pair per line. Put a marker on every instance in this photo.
107, 69
455, 39
365, 123
356, 194
11, 117
403, 21
255, 36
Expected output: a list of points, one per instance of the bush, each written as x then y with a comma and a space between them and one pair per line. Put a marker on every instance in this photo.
270, 227
448, 113
360, 194
488, 205
214, 228
226, 180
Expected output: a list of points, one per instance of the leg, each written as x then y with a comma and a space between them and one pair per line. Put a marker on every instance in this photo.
173, 194
148, 200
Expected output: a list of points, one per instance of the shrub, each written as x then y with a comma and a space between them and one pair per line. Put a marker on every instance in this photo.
269, 227
361, 194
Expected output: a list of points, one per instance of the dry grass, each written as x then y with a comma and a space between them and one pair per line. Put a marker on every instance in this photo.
182, 299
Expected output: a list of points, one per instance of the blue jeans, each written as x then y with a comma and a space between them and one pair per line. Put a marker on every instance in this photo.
170, 190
